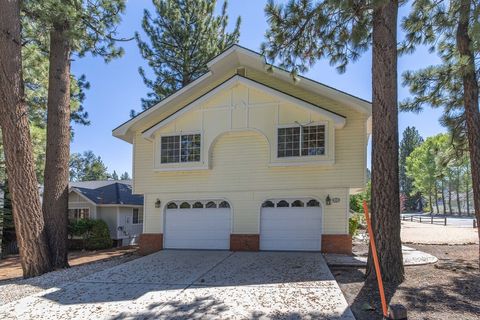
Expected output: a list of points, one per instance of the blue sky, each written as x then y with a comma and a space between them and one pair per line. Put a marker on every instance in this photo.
116, 88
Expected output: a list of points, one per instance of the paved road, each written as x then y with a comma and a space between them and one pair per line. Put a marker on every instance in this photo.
196, 284
451, 221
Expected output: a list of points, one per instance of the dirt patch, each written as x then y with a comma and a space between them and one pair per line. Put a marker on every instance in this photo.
448, 289
11, 268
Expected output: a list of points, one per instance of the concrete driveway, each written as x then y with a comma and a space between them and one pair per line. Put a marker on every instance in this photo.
196, 285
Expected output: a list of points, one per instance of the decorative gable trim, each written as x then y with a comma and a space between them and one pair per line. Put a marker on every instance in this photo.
338, 119
82, 196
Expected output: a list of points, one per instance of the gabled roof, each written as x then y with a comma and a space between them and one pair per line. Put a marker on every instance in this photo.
108, 192
338, 119
237, 56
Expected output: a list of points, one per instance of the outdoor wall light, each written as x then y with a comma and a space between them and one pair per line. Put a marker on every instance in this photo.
158, 203
328, 201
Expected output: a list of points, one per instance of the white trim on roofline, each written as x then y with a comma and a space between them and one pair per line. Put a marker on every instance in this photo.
356, 103
235, 80
122, 129
82, 195
259, 62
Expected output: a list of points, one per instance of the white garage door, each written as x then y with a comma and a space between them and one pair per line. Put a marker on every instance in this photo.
197, 225
291, 225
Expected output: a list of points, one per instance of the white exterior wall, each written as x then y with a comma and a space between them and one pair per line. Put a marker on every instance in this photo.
109, 215
76, 201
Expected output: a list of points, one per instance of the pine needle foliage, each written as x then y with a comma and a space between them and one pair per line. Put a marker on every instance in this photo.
183, 35
433, 23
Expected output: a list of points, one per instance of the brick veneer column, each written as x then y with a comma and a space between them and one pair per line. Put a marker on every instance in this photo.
337, 243
244, 242
150, 243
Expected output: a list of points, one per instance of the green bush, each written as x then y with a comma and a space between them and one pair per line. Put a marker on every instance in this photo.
356, 222
99, 236
94, 234
353, 225
356, 200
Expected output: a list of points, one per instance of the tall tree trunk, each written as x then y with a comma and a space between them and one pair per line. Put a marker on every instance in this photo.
470, 92
385, 187
55, 204
457, 187
18, 149
467, 192
450, 194
436, 198
443, 198
430, 203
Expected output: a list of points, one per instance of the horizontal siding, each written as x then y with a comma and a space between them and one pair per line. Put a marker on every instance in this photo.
77, 202
239, 160
240, 174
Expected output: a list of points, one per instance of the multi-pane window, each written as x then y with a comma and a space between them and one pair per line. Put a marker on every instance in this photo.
137, 217
180, 148
78, 214
301, 141
289, 142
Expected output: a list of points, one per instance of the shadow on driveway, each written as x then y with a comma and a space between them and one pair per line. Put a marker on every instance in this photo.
192, 284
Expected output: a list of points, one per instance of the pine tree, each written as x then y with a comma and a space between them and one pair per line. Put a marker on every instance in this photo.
71, 27
183, 36
410, 140
125, 176
451, 28
88, 167
19, 162
304, 31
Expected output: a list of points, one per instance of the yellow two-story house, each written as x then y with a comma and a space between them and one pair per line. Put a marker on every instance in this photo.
248, 158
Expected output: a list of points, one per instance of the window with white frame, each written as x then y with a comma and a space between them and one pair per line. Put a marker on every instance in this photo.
137, 217
78, 214
296, 141
180, 148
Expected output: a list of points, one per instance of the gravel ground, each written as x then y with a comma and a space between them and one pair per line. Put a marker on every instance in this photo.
11, 290
445, 290
196, 285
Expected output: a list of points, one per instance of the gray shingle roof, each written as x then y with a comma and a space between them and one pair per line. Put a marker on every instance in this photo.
108, 192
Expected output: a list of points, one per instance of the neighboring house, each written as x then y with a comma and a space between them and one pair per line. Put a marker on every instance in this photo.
246, 158
111, 201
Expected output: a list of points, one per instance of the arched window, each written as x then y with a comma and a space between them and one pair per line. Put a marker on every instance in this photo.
282, 204
297, 203
224, 204
185, 205
172, 205
313, 203
268, 204
211, 204
197, 205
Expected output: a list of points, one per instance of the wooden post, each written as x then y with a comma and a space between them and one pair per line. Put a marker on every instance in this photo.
432, 219
445, 223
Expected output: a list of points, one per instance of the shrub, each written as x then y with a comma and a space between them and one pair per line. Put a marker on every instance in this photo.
94, 234
356, 222
353, 225
99, 236
356, 200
